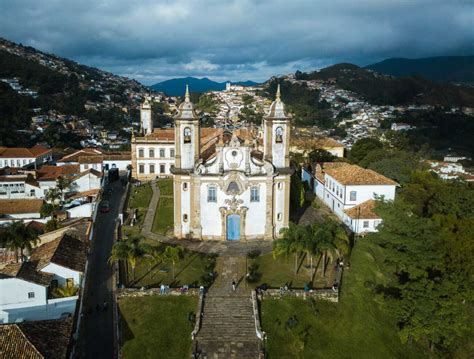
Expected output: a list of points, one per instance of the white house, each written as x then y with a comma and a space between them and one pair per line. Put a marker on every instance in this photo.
25, 287
22, 157
362, 218
342, 186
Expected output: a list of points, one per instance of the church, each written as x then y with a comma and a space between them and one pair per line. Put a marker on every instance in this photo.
228, 185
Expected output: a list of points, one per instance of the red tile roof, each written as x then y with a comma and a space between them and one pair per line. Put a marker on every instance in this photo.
52, 173
356, 175
364, 210
20, 206
22, 152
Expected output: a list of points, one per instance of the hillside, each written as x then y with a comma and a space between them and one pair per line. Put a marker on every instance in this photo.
457, 69
175, 87
34, 83
379, 89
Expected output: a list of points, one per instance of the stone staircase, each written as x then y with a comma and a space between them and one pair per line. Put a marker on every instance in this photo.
228, 326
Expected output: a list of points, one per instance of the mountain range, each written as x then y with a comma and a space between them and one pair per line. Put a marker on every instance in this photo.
457, 69
176, 87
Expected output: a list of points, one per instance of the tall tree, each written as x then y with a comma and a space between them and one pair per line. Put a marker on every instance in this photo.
173, 254
19, 237
130, 251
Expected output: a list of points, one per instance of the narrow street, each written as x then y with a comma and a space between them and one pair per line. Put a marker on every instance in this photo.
97, 331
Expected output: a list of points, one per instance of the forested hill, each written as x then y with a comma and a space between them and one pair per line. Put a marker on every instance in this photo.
58, 86
381, 89
457, 69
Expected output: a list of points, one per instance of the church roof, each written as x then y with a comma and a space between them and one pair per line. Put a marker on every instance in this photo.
186, 109
277, 108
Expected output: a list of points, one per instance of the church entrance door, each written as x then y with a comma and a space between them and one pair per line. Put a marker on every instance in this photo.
233, 227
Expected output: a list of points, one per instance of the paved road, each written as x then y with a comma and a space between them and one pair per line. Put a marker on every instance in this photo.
97, 331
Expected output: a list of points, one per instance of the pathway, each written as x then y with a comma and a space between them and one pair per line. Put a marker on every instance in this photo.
234, 248
228, 327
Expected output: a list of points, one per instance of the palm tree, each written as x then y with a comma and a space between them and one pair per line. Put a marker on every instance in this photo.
62, 184
292, 241
53, 195
129, 250
310, 248
20, 237
173, 254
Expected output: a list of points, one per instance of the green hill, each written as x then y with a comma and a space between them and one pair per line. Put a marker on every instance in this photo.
457, 69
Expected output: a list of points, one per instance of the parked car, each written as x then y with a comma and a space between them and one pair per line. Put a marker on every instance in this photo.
105, 206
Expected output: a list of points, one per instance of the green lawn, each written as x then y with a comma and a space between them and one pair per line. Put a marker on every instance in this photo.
140, 199
164, 216
189, 270
157, 326
280, 271
166, 186
356, 327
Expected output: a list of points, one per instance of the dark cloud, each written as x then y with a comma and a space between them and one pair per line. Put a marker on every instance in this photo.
152, 40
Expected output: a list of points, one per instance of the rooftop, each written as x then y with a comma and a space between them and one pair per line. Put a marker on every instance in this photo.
364, 210
52, 173
356, 175
37, 339
20, 206
23, 152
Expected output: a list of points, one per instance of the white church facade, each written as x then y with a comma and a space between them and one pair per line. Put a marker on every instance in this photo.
227, 185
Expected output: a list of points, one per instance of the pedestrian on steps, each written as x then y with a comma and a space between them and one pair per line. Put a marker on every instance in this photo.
233, 285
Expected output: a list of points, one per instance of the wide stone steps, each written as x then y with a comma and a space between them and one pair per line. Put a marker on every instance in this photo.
228, 325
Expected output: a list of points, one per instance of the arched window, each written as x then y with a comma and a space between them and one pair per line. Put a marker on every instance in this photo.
233, 188
187, 135
185, 186
185, 217
279, 135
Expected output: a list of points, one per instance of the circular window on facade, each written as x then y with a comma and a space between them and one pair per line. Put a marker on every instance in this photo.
234, 153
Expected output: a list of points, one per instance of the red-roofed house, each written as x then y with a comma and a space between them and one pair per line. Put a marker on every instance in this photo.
22, 157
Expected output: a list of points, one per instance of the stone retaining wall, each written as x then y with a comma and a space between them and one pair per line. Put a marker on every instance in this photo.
131, 292
325, 294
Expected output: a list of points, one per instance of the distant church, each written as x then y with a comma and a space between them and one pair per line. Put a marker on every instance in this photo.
225, 188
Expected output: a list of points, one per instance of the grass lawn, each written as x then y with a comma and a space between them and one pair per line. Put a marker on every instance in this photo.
164, 216
280, 271
156, 326
189, 270
140, 199
166, 186
356, 327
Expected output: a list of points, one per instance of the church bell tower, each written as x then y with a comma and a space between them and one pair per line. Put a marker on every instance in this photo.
187, 135
276, 134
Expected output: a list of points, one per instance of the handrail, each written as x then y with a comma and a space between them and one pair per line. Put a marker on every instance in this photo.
258, 329
197, 325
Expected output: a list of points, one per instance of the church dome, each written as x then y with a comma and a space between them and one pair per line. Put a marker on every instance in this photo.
277, 108
186, 109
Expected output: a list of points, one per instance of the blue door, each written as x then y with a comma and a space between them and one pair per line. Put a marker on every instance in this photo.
233, 227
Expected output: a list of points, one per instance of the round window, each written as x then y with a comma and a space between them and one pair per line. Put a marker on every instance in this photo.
234, 153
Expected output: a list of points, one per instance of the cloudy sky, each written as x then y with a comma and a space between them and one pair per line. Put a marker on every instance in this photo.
153, 40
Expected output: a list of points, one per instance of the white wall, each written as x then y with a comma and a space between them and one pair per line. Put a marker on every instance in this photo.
121, 164
364, 193
357, 225
52, 309
15, 291
62, 273
84, 210
86, 183
157, 160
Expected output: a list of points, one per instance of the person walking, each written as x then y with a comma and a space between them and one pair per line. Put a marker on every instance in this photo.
233, 285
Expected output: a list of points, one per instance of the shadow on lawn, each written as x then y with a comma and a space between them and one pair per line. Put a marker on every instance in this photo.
126, 332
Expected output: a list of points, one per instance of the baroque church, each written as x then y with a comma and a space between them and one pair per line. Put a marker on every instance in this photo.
228, 185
